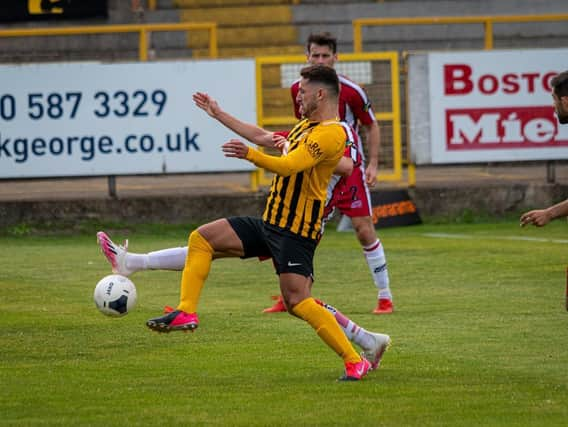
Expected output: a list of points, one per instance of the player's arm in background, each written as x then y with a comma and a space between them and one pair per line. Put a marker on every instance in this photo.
541, 217
344, 167
361, 107
249, 131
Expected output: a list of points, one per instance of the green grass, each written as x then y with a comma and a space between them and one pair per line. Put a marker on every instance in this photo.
480, 335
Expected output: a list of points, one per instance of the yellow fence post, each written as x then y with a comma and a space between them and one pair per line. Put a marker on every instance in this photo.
396, 121
213, 44
488, 42
143, 45
357, 37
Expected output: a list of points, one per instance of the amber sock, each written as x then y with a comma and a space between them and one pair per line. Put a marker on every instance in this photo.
327, 328
195, 272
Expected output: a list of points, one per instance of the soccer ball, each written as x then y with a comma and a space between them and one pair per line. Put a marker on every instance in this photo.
115, 295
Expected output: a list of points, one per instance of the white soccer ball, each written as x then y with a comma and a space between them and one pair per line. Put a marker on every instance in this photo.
115, 295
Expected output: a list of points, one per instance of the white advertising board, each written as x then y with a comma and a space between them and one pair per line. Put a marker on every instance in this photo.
86, 119
488, 106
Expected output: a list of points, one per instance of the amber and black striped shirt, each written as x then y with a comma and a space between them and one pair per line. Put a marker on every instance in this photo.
298, 192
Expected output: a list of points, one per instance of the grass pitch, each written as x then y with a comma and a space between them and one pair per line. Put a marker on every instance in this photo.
480, 336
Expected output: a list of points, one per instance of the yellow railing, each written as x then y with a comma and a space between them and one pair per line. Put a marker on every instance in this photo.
152, 4
487, 22
142, 29
393, 115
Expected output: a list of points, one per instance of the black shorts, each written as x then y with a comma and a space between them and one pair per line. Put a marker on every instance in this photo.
289, 252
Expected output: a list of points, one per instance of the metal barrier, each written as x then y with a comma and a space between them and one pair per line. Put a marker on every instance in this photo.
153, 4
142, 29
487, 22
389, 114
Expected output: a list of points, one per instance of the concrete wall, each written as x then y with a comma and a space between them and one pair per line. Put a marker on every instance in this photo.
443, 200
166, 209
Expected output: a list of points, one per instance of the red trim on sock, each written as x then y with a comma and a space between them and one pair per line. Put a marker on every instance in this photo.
373, 247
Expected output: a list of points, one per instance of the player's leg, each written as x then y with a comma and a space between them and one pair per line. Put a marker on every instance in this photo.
295, 290
127, 263
373, 344
209, 239
293, 259
376, 261
354, 200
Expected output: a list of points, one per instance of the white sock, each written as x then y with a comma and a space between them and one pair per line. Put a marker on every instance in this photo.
136, 262
352, 330
167, 259
376, 260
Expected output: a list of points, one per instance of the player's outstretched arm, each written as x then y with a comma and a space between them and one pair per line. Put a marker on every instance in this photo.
249, 131
541, 217
235, 148
286, 165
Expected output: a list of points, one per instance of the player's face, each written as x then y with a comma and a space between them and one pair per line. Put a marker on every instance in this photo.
307, 98
561, 108
321, 55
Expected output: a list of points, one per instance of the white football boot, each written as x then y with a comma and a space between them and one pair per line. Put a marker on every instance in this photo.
374, 354
115, 254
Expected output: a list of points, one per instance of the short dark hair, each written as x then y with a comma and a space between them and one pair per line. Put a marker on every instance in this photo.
560, 84
322, 39
324, 75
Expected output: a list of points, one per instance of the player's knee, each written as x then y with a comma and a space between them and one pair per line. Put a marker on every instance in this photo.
291, 299
198, 242
365, 232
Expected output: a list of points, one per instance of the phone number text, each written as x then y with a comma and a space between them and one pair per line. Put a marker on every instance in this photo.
66, 105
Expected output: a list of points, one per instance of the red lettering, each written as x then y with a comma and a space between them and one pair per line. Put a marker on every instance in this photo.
457, 79
460, 79
530, 78
491, 88
503, 128
510, 83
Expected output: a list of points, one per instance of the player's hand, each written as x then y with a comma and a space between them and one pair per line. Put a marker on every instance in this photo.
206, 103
371, 175
538, 218
280, 143
235, 148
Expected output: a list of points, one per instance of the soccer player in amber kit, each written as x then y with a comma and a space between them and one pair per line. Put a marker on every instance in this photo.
291, 223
